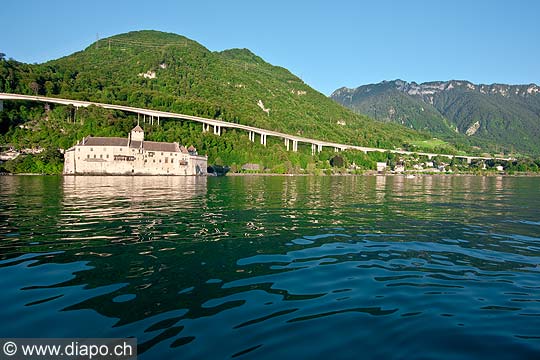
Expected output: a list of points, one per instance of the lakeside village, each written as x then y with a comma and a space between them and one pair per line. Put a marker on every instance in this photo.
188, 162
134, 155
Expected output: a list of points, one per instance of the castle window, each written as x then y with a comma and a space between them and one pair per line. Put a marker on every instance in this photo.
172, 161
94, 156
91, 149
88, 156
107, 156
79, 149
101, 156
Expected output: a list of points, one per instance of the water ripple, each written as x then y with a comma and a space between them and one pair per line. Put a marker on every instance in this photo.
275, 267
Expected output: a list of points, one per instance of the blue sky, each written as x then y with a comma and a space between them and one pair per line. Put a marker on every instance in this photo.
328, 44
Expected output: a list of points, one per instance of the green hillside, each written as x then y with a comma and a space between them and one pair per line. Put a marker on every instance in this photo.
495, 117
512, 121
185, 77
388, 104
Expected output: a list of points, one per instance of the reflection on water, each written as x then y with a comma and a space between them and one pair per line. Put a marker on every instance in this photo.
272, 267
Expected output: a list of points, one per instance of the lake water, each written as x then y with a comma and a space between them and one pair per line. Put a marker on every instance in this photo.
276, 267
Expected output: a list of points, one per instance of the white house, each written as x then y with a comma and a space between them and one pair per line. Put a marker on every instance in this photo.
381, 167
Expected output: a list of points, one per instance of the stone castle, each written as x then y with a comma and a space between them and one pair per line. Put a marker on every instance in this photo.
132, 156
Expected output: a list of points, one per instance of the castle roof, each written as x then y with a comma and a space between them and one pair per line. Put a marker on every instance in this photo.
134, 144
160, 146
137, 128
105, 141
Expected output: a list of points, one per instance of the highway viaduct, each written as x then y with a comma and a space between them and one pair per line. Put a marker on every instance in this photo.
291, 141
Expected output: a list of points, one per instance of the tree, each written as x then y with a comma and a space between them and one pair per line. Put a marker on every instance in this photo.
2, 56
218, 161
337, 161
50, 88
34, 86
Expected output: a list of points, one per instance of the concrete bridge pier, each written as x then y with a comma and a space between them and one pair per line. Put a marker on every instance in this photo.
317, 147
295, 145
336, 149
263, 139
251, 136
469, 160
217, 130
287, 144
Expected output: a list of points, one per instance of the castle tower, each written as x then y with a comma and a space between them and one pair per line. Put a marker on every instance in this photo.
137, 134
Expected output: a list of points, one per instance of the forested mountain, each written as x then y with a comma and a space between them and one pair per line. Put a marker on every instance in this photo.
170, 72
507, 115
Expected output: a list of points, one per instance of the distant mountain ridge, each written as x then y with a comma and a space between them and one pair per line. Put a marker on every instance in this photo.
508, 115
